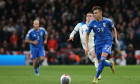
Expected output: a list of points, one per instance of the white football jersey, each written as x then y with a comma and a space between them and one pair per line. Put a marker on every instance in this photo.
81, 27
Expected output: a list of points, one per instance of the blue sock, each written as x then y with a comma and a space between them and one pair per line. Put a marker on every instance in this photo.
38, 63
101, 66
36, 70
107, 63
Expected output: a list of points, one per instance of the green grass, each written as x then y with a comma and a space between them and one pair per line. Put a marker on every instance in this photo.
82, 74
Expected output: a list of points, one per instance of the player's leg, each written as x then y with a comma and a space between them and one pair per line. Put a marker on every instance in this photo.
107, 62
106, 50
35, 62
100, 67
94, 60
101, 63
41, 57
38, 64
98, 56
91, 54
35, 59
35, 66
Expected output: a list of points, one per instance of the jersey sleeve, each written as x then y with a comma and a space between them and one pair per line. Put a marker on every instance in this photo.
76, 29
28, 35
89, 27
45, 32
111, 24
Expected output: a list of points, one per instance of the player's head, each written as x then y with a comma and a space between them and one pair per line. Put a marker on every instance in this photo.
97, 12
89, 16
36, 24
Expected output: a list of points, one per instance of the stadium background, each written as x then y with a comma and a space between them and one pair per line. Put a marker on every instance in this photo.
59, 17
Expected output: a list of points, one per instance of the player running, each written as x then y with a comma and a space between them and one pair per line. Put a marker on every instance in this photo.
81, 27
35, 38
102, 27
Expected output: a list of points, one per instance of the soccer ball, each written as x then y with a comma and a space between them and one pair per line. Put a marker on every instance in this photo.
65, 79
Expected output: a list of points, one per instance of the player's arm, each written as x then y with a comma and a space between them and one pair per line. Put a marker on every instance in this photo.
88, 30
76, 29
45, 36
87, 40
111, 24
115, 33
45, 41
31, 42
27, 39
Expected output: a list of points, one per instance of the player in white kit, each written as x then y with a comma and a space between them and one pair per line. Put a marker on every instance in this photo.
81, 27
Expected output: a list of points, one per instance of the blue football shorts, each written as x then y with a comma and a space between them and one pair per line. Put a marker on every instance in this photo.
104, 47
37, 53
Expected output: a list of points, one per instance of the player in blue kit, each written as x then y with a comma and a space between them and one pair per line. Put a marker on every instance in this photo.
103, 39
35, 38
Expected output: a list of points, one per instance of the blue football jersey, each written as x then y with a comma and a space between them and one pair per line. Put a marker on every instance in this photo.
102, 30
36, 35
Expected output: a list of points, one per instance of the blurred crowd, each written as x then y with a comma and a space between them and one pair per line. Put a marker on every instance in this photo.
59, 17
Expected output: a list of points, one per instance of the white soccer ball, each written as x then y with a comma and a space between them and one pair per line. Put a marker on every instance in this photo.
65, 79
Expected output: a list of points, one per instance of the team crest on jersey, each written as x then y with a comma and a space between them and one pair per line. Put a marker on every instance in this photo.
104, 24
95, 26
34, 35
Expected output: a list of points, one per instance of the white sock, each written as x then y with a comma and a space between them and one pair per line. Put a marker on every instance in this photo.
96, 63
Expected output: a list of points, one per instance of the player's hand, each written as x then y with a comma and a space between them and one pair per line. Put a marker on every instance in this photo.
93, 52
35, 42
71, 39
86, 51
118, 43
45, 42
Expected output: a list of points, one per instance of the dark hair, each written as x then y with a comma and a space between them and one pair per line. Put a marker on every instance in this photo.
96, 8
89, 13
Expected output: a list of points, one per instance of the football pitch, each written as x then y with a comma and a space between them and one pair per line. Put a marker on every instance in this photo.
81, 74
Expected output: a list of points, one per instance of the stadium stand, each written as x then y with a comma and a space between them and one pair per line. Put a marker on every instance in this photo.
59, 17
